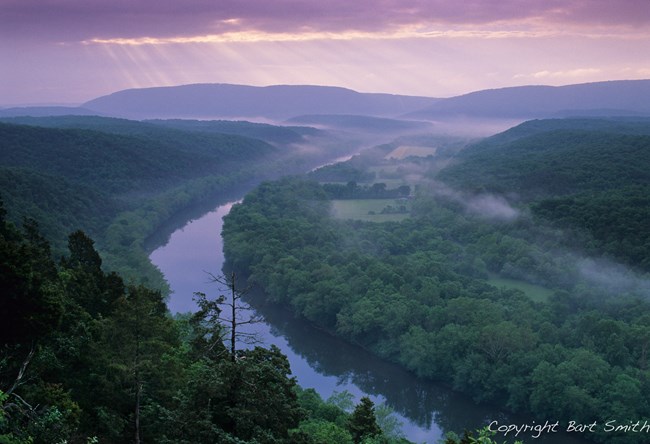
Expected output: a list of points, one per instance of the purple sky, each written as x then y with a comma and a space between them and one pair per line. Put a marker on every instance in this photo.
69, 51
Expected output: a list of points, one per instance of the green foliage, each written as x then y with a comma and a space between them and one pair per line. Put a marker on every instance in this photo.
416, 292
330, 421
268, 133
614, 221
363, 423
484, 436
341, 172
121, 180
377, 190
589, 176
84, 354
59, 205
371, 210
323, 432
334, 410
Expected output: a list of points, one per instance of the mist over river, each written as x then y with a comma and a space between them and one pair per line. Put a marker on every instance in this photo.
320, 361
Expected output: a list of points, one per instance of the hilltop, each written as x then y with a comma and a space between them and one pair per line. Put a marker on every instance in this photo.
622, 98
279, 102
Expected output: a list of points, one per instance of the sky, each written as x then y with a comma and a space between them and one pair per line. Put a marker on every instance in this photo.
71, 51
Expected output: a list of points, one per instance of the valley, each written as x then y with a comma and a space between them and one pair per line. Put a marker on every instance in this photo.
466, 268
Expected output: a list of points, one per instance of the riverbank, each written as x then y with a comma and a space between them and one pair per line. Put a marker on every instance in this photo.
319, 360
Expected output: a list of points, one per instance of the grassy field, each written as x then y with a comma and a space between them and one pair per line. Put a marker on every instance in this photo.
535, 292
383, 168
404, 151
359, 209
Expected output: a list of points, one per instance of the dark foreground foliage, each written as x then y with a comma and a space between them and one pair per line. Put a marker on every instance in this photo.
86, 357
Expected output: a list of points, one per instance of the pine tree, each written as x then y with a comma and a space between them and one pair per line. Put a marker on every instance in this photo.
363, 423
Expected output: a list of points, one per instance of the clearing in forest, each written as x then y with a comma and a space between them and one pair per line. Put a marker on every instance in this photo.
373, 210
404, 151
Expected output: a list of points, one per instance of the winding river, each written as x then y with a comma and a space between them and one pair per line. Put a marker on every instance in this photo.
318, 360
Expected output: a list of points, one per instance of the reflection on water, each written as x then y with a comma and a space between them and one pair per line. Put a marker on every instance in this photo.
190, 253
426, 409
318, 359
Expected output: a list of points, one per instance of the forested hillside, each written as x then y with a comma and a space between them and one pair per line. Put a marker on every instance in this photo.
119, 179
592, 176
481, 285
174, 132
262, 131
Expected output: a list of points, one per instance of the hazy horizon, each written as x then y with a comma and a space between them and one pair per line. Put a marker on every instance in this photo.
71, 51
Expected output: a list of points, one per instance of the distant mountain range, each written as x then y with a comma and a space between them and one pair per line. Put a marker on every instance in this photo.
613, 98
45, 111
208, 101
283, 102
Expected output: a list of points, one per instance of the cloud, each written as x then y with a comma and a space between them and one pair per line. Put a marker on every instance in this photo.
613, 277
578, 73
85, 20
484, 205
492, 207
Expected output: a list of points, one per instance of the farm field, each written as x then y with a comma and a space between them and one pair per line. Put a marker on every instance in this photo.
404, 151
363, 209
536, 293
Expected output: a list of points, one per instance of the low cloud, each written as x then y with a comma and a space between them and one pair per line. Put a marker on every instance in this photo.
613, 277
565, 74
491, 207
484, 205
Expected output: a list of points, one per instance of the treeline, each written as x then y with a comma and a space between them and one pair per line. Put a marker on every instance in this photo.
87, 358
342, 172
377, 190
270, 133
415, 292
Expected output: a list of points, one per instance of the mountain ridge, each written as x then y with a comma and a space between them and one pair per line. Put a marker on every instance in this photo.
279, 103
613, 97
212, 100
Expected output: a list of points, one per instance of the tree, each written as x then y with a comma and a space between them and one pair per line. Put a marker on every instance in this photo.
266, 402
484, 437
322, 432
131, 371
84, 280
363, 423
83, 253
30, 306
238, 313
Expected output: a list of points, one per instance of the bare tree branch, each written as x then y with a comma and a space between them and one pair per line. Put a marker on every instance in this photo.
21, 372
235, 308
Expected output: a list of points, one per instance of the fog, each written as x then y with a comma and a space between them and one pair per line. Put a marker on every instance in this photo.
484, 205
612, 277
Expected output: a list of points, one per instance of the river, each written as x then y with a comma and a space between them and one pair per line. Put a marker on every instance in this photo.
321, 361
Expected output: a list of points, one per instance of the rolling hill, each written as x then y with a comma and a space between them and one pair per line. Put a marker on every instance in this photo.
590, 176
623, 98
280, 102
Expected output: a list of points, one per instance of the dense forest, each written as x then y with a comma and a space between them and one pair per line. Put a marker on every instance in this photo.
519, 275
587, 175
120, 180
